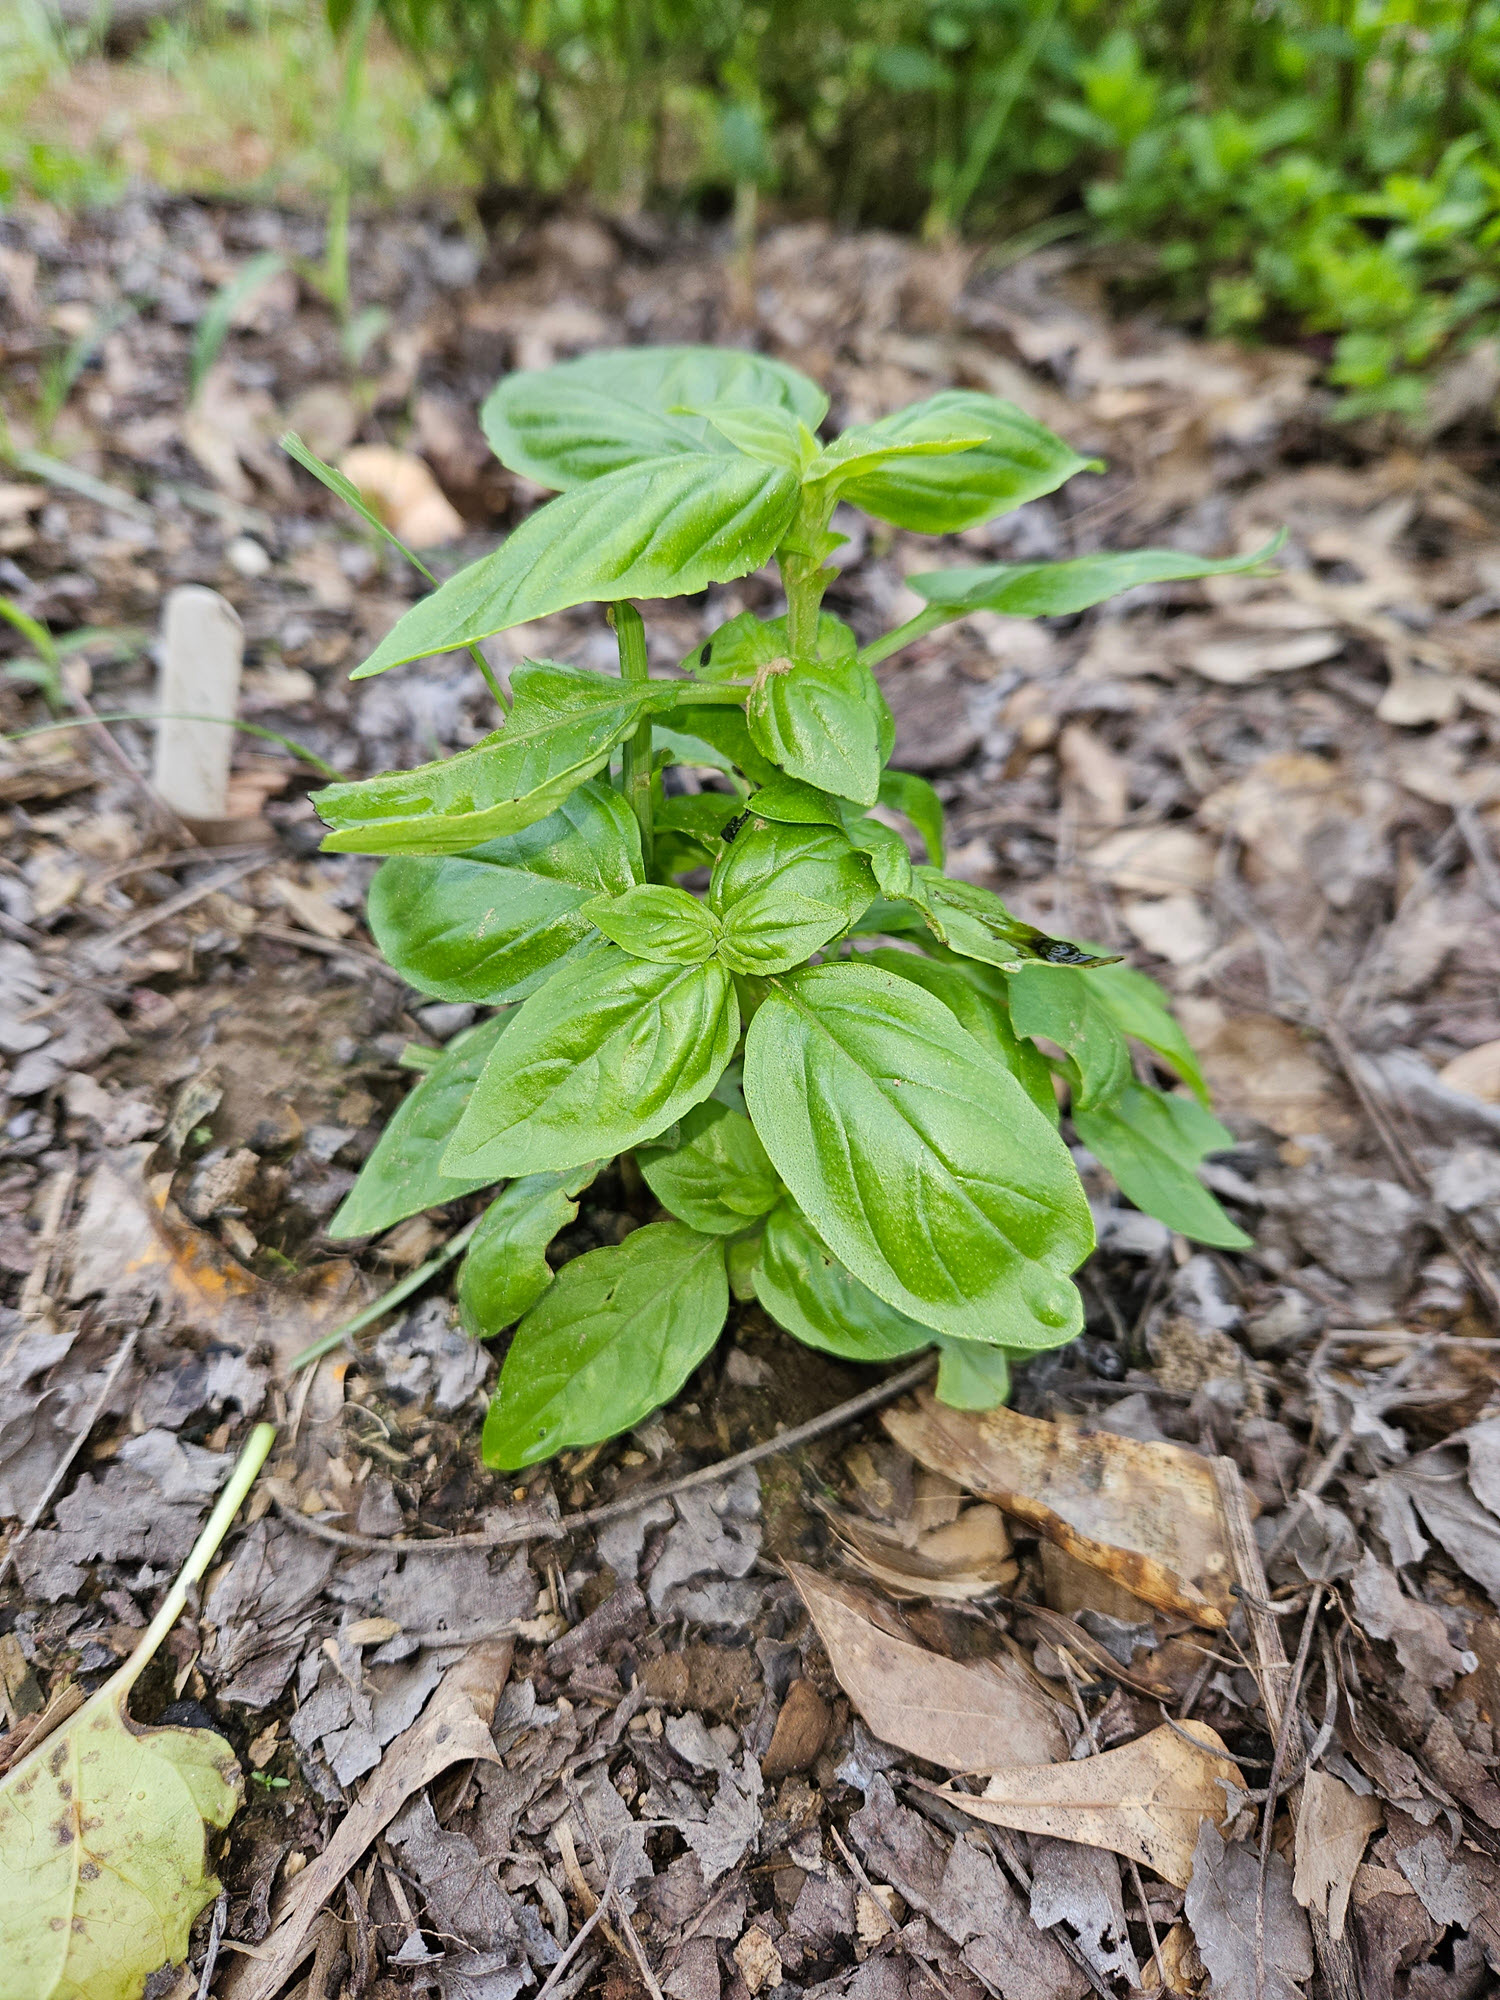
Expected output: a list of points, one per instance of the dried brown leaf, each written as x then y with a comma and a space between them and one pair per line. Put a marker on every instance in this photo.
1147, 1515
962, 1559
966, 1716
1146, 1800
1333, 1825
404, 494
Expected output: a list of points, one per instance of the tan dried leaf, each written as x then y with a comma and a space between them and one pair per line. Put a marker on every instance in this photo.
1476, 1071
965, 1716
1147, 1515
1333, 1825
1146, 1800
963, 1559
404, 494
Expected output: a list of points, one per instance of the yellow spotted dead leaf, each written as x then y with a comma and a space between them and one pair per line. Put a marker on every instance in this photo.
1147, 1515
103, 1826
1145, 1800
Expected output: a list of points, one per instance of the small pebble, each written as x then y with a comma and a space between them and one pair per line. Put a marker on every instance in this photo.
246, 556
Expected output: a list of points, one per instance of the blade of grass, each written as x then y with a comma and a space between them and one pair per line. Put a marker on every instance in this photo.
213, 329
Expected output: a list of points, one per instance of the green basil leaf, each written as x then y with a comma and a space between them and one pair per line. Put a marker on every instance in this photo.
616, 1335
971, 1374
726, 731
701, 816
919, 1159
791, 803
904, 792
926, 431
1142, 1009
1019, 461
674, 746
658, 922
805, 1289
740, 1255
585, 418
974, 922
891, 865
769, 434
977, 998
1063, 1005
490, 924
822, 721
744, 644
717, 1177
783, 892
404, 1174
1054, 590
1152, 1142
610, 1052
664, 528
563, 726
505, 1270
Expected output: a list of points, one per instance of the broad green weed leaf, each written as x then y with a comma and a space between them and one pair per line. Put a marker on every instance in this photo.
404, 1174
616, 1335
821, 721
582, 419
609, 1053
904, 792
490, 924
505, 1270
971, 1374
658, 922
976, 997
665, 528
1152, 1142
805, 1289
1142, 1009
103, 1826
783, 892
917, 1157
561, 730
1053, 590
1063, 1006
1019, 461
717, 1177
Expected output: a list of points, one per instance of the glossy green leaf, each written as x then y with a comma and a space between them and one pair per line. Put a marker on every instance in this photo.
404, 1174
702, 816
821, 721
891, 864
741, 1254
974, 922
605, 1056
726, 730
1142, 1009
582, 419
561, 730
616, 1335
784, 892
904, 792
717, 1177
769, 434
490, 924
791, 803
1019, 461
971, 1374
1063, 1006
658, 922
505, 1270
664, 528
1152, 1142
805, 1289
744, 644
918, 1158
675, 746
976, 996
1054, 590
926, 431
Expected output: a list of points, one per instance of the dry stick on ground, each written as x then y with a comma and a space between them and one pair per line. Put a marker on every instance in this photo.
1273, 1673
536, 1529
329, 948
1273, 1787
158, 807
223, 878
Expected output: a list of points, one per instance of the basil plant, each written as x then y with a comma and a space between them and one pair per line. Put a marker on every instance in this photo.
836, 1068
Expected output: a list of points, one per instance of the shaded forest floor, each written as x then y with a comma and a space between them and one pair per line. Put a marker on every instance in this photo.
1280, 795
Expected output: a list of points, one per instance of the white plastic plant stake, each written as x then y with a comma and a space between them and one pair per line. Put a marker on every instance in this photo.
202, 649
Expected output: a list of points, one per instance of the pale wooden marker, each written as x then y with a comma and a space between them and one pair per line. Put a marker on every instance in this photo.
202, 649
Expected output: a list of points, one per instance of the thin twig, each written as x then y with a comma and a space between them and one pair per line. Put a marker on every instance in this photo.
215, 1939
388, 1300
1273, 1788
60, 1471
155, 803
101, 947
1332, 1459
329, 948
535, 1528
